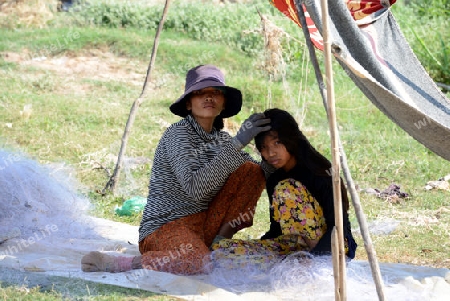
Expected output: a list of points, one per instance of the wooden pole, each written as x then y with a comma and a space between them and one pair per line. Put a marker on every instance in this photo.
376, 274
113, 180
336, 265
340, 254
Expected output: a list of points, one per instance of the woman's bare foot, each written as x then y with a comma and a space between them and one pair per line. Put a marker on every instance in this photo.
101, 262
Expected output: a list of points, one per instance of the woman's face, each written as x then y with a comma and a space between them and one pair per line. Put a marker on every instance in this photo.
275, 153
206, 103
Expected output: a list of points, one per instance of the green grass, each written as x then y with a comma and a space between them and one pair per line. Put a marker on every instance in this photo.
432, 48
61, 288
78, 118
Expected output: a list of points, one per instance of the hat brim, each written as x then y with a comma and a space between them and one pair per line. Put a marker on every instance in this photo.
233, 98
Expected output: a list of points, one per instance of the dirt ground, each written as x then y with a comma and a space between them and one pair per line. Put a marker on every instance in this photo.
94, 64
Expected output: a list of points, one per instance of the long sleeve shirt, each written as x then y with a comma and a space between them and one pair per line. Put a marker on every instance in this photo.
189, 168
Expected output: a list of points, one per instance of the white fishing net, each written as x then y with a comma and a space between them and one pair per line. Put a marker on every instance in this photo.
45, 228
311, 278
35, 200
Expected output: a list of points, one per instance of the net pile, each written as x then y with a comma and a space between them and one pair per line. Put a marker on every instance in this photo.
36, 201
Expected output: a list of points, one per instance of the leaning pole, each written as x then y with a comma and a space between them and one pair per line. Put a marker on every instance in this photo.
114, 178
338, 231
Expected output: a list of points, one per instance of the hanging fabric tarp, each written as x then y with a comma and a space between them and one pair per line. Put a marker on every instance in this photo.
369, 45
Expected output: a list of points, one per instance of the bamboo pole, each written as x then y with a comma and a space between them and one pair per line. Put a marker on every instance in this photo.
376, 274
338, 220
336, 268
113, 180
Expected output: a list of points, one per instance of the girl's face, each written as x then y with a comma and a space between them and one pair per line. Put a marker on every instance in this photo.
206, 103
275, 153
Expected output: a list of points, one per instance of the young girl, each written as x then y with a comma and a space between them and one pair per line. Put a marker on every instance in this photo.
301, 197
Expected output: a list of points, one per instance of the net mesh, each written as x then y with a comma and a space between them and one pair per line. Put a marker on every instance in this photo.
34, 198
37, 199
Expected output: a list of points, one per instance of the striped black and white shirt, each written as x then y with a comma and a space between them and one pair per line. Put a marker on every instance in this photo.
189, 168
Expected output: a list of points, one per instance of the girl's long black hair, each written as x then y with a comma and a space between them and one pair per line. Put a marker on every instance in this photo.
298, 145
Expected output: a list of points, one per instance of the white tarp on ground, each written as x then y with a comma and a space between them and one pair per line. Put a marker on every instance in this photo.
44, 230
59, 256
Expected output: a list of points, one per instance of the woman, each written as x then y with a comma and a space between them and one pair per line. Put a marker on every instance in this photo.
301, 198
200, 181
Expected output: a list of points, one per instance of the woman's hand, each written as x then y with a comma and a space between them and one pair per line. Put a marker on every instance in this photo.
251, 127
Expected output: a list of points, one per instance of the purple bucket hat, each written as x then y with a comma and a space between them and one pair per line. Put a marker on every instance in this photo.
204, 76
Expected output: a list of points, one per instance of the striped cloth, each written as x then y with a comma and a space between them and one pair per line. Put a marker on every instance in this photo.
362, 11
189, 168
